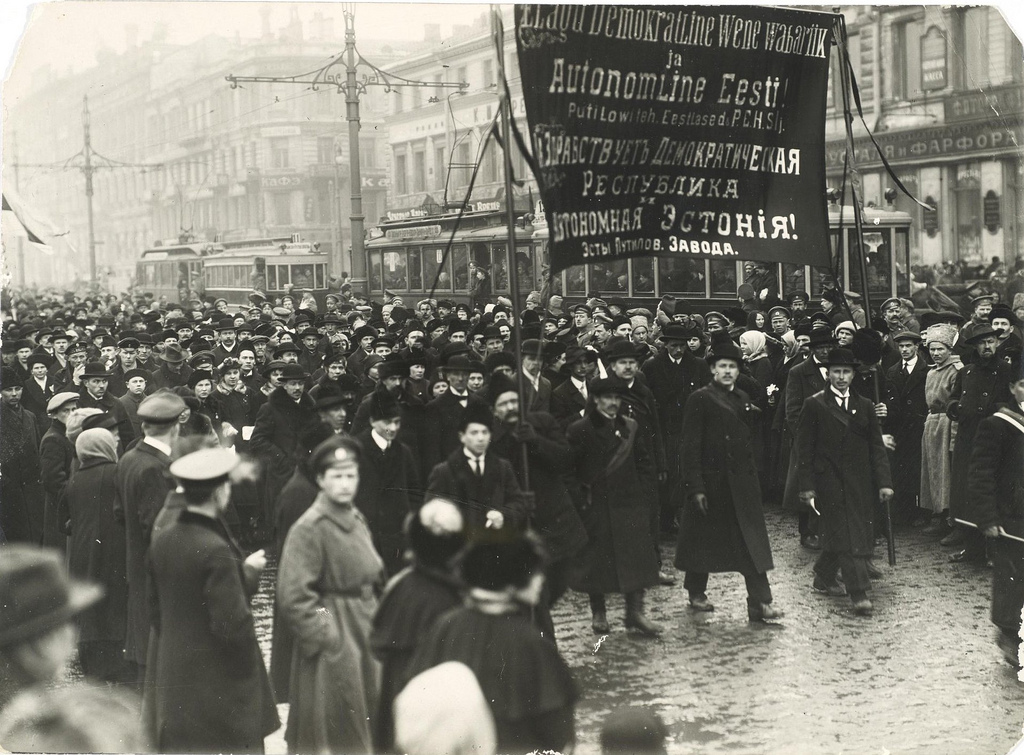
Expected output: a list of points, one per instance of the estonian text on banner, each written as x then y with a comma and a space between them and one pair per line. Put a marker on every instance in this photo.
663, 131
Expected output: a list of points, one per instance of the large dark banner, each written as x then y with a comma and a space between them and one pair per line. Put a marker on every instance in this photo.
678, 130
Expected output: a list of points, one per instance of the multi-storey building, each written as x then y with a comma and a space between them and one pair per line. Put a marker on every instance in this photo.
260, 159
942, 89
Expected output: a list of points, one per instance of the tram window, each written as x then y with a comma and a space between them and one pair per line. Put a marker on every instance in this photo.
609, 277
395, 270
283, 278
643, 275
821, 278
431, 262
481, 254
723, 278
415, 270
524, 269
680, 275
319, 276
793, 278
499, 267
901, 246
302, 276
460, 266
148, 274
878, 264
575, 280
375, 272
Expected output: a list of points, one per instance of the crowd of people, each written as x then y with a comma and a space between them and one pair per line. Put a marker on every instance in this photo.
428, 495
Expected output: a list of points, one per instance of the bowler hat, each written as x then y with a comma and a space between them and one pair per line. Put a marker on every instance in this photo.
608, 386
623, 349
676, 332
821, 337
840, 358
95, 370
37, 594
269, 367
722, 347
293, 371
330, 396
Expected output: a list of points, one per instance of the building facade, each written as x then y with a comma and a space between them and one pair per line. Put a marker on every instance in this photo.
942, 89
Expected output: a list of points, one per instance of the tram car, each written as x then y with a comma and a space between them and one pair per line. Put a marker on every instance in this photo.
405, 256
233, 270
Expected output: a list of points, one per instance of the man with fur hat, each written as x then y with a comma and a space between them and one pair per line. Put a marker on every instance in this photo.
611, 458
722, 521
843, 469
21, 495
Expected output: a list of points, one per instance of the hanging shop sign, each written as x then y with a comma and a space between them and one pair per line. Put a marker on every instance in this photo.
678, 130
991, 211
933, 60
1001, 101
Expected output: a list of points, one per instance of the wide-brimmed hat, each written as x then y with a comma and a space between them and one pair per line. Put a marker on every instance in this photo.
37, 594
821, 337
984, 331
621, 349
172, 353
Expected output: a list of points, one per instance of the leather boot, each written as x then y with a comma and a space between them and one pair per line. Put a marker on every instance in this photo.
599, 622
635, 618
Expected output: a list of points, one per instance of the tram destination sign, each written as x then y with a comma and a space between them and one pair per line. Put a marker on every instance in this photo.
678, 130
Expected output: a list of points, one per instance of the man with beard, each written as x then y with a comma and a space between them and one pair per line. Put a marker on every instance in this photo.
553, 515
21, 496
610, 459
93, 395
722, 524
981, 386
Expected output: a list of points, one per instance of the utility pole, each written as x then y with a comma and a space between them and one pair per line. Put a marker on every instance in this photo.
351, 86
88, 167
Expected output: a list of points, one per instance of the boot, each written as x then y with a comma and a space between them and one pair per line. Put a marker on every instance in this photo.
599, 620
764, 612
635, 618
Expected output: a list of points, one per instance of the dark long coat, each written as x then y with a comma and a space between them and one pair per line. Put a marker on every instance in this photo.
96, 549
131, 408
843, 460
907, 413
21, 494
35, 400
996, 487
275, 438
803, 382
111, 406
554, 517
210, 688
388, 491
672, 385
567, 403
497, 489
441, 428
980, 388
718, 461
56, 454
609, 460
142, 486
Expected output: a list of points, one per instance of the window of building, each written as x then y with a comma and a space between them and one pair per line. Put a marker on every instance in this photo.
419, 171
325, 150
967, 196
282, 205
440, 173
488, 73
401, 177
907, 78
279, 152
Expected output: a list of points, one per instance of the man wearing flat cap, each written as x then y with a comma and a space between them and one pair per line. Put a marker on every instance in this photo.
610, 458
980, 388
843, 471
21, 495
142, 486
56, 455
209, 688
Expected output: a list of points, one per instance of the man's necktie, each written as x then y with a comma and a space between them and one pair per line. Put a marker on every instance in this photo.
476, 467
906, 367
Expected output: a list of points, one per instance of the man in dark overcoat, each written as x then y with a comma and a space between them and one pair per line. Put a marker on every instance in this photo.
980, 387
93, 394
388, 482
610, 458
279, 425
142, 486
56, 454
21, 495
996, 487
208, 689
722, 524
905, 422
443, 414
805, 379
569, 400
672, 375
554, 517
172, 372
843, 470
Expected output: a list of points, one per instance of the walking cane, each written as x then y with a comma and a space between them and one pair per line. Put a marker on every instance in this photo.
1002, 533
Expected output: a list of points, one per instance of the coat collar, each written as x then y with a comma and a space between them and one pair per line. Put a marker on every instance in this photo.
344, 517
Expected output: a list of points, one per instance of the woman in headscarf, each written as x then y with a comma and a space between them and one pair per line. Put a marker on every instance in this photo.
96, 552
939, 430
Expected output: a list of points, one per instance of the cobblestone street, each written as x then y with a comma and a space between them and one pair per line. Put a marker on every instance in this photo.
922, 675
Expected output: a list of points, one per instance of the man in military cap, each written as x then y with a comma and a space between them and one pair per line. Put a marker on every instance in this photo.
142, 485
980, 388
843, 470
56, 455
220, 699
981, 308
21, 495
610, 459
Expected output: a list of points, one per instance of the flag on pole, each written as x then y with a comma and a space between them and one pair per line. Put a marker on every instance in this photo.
24, 221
